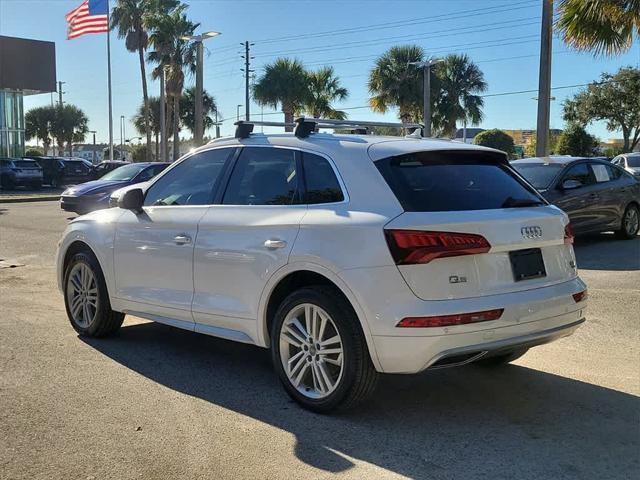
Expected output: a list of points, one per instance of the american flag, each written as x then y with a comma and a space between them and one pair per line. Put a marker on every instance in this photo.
90, 17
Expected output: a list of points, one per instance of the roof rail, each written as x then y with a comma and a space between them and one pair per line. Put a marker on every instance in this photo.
304, 126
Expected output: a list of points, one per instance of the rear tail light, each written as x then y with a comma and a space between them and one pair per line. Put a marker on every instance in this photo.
580, 296
449, 320
568, 234
414, 246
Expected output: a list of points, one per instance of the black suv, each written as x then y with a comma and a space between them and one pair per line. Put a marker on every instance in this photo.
58, 171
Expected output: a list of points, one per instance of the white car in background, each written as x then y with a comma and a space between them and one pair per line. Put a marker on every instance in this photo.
629, 161
346, 255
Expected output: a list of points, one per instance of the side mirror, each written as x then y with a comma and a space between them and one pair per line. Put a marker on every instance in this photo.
132, 200
571, 184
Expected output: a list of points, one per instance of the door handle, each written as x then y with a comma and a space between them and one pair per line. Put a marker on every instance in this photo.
275, 243
182, 239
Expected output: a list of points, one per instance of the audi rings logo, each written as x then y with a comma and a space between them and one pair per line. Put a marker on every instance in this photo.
531, 232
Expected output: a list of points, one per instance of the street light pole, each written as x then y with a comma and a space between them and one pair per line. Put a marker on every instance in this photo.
163, 115
198, 132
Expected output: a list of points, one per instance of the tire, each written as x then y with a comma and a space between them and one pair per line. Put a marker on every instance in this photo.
97, 320
352, 373
501, 360
630, 223
7, 183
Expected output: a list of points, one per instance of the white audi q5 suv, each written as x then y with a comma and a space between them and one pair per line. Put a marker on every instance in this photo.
346, 255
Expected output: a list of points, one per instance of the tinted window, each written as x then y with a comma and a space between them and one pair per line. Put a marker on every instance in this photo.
537, 174
450, 181
633, 160
601, 172
263, 176
320, 179
191, 182
580, 173
126, 173
26, 164
614, 173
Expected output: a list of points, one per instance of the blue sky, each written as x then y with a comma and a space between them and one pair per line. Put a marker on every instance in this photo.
503, 39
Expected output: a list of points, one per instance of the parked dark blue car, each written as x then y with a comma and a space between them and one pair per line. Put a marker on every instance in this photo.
94, 195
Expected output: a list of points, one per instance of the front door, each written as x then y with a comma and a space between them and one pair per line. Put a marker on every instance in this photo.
153, 250
243, 241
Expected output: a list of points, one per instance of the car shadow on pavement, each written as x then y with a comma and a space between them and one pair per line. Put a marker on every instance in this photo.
605, 252
458, 423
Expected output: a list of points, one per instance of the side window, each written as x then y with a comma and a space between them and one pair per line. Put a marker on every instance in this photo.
614, 173
580, 173
264, 176
191, 182
601, 172
320, 179
146, 174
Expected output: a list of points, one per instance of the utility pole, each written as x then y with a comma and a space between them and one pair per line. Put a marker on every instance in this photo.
544, 81
60, 92
426, 91
163, 123
94, 146
217, 124
247, 73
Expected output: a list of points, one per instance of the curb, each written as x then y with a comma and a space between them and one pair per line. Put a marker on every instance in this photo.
41, 198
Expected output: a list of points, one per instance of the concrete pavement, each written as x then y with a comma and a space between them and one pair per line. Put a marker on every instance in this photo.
157, 402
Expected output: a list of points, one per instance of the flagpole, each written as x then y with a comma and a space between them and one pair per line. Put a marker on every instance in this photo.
109, 80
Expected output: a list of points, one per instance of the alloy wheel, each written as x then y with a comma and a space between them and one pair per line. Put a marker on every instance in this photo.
82, 295
311, 351
631, 221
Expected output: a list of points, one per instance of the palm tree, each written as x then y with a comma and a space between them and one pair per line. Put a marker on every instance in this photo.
188, 106
324, 88
459, 83
286, 83
605, 27
173, 53
394, 82
139, 121
70, 124
38, 124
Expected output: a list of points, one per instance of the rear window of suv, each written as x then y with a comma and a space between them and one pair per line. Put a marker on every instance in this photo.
454, 181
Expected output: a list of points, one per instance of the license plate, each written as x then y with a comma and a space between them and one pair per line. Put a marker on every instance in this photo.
527, 264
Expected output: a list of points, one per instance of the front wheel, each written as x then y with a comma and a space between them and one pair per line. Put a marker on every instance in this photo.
319, 350
630, 223
86, 298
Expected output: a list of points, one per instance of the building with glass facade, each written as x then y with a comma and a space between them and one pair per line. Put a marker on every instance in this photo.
27, 67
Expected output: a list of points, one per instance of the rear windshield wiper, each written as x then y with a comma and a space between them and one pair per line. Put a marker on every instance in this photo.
511, 202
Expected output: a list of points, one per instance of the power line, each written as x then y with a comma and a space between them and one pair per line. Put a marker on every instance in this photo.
385, 40
413, 21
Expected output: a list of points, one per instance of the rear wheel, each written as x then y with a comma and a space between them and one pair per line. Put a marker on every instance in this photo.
86, 298
319, 351
503, 359
630, 222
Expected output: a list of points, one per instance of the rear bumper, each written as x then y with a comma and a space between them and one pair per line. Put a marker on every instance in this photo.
414, 354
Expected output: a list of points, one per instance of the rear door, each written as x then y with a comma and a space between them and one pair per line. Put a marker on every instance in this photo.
581, 203
245, 239
471, 227
608, 186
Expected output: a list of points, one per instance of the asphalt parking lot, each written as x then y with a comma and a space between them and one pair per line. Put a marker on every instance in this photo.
157, 402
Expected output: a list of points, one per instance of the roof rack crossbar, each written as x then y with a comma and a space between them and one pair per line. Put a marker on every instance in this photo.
304, 126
